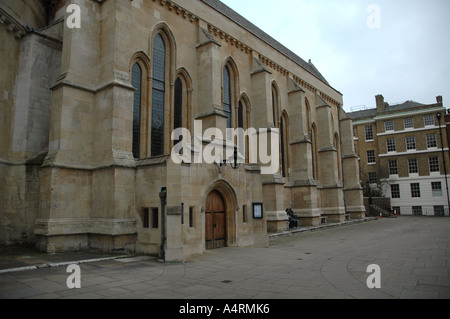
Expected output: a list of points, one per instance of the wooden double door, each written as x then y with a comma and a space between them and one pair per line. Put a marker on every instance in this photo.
215, 216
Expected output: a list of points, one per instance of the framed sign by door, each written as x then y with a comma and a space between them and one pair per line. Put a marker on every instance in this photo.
257, 210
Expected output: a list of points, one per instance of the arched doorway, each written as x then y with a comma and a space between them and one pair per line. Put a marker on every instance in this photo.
215, 221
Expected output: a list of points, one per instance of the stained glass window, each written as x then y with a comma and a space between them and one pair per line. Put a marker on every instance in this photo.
283, 147
158, 95
136, 81
178, 107
227, 95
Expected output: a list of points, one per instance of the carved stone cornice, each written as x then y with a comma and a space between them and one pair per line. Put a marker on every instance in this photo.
12, 25
329, 99
169, 5
229, 39
313, 89
273, 65
304, 84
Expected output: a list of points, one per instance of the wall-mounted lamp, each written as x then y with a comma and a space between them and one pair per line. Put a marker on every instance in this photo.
234, 163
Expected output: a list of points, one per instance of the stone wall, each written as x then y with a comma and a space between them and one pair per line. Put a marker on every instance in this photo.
32, 61
93, 193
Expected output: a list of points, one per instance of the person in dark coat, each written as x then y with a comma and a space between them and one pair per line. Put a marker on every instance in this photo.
293, 219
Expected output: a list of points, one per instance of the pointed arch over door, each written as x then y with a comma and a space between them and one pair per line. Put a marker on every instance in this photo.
213, 207
215, 221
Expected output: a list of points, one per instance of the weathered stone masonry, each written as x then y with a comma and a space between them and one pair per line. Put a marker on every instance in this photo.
71, 179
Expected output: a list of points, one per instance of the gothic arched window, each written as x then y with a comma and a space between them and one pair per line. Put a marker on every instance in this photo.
283, 148
136, 81
275, 105
158, 95
241, 115
284, 144
315, 152
227, 95
178, 106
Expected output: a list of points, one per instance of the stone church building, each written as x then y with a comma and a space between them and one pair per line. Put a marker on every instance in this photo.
87, 114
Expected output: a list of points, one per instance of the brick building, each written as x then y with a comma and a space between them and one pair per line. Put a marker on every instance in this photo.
400, 150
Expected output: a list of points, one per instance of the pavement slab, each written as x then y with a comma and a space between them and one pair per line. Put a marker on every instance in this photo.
412, 252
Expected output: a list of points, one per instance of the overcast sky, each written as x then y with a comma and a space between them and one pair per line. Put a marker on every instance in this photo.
404, 55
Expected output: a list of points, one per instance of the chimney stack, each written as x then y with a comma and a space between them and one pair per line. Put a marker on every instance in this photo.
439, 100
381, 105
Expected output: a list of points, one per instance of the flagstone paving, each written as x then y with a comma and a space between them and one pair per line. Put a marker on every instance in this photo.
412, 252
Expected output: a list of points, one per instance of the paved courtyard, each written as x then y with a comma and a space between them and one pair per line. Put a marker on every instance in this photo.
412, 252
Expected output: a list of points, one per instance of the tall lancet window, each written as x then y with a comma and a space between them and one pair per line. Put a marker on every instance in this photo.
241, 115
178, 107
136, 81
158, 93
227, 95
315, 152
283, 147
275, 106
241, 136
